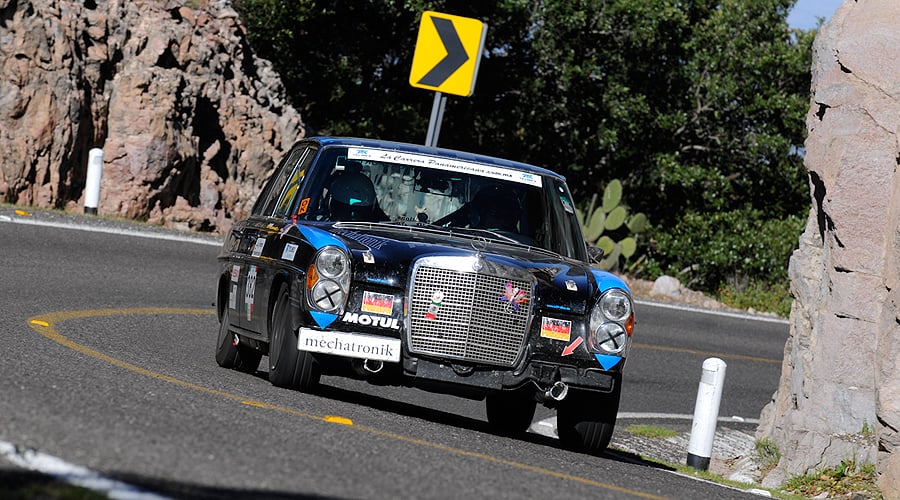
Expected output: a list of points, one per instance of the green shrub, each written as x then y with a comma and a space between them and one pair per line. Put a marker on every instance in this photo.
847, 480
761, 296
768, 454
711, 252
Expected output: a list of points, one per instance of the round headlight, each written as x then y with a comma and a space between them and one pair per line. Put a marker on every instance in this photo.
609, 337
332, 263
327, 295
615, 305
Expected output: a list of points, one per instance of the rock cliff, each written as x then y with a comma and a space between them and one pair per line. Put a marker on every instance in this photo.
839, 398
190, 122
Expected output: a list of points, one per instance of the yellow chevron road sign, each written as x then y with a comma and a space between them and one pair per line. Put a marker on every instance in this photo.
448, 51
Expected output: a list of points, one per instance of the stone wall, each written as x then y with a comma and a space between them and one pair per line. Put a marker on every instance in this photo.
839, 398
189, 121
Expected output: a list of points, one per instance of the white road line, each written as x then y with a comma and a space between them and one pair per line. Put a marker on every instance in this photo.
108, 230
550, 422
73, 474
683, 416
714, 312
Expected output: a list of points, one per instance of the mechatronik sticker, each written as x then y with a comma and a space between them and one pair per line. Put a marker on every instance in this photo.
349, 345
556, 329
378, 303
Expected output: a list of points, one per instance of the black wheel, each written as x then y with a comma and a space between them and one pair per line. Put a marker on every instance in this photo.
510, 412
585, 420
288, 366
229, 355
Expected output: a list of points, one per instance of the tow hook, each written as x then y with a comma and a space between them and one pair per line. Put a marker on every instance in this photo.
373, 365
557, 391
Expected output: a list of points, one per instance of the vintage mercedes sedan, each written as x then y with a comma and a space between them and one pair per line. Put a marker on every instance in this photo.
452, 272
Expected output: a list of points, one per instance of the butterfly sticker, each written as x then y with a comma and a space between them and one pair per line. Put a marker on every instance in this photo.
513, 297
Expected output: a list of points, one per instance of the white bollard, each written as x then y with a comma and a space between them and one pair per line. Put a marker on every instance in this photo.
92, 185
706, 413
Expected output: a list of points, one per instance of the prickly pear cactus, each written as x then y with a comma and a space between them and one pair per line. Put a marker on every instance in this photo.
611, 228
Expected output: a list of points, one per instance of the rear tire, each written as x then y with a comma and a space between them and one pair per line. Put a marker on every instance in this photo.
229, 355
289, 367
510, 413
586, 420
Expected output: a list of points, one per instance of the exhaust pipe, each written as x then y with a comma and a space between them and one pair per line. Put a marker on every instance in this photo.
557, 391
373, 365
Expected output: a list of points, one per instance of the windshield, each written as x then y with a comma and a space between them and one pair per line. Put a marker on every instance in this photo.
370, 185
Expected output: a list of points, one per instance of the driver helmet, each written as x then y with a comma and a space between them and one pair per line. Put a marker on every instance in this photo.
496, 207
352, 197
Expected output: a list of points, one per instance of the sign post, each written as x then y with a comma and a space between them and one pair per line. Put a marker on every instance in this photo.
434, 123
446, 59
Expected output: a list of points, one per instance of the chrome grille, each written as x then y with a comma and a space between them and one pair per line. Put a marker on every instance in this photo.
474, 321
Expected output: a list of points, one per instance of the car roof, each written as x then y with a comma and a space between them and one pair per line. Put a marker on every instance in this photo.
419, 149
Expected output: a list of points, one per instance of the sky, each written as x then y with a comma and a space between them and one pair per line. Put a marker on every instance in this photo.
805, 12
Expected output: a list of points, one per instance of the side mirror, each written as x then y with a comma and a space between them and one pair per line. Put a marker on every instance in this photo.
595, 254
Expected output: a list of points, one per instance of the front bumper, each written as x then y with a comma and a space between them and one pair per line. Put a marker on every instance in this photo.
542, 374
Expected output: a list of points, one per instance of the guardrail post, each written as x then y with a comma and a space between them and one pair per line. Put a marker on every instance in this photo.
92, 185
706, 414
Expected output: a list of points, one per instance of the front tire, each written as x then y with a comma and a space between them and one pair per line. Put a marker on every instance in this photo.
586, 420
510, 413
289, 367
231, 355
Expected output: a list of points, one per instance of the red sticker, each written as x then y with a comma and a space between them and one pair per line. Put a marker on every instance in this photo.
571, 347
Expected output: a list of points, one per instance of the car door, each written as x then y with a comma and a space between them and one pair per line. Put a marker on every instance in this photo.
263, 236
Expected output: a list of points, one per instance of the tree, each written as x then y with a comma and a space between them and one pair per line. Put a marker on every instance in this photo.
698, 106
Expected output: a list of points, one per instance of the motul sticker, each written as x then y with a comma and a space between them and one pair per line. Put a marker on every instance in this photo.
378, 303
367, 320
556, 329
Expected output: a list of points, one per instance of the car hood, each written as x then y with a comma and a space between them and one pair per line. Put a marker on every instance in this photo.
385, 255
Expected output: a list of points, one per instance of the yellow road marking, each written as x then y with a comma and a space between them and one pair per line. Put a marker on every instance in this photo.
46, 326
338, 420
708, 354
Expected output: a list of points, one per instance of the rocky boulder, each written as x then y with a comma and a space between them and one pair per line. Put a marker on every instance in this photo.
839, 398
190, 122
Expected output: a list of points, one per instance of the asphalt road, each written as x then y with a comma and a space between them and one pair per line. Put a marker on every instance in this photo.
108, 364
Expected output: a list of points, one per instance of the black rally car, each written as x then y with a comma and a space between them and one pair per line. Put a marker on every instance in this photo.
415, 266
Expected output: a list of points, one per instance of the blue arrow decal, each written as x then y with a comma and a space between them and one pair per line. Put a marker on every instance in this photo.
318, 238
324, 320
606, 280
607, 362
